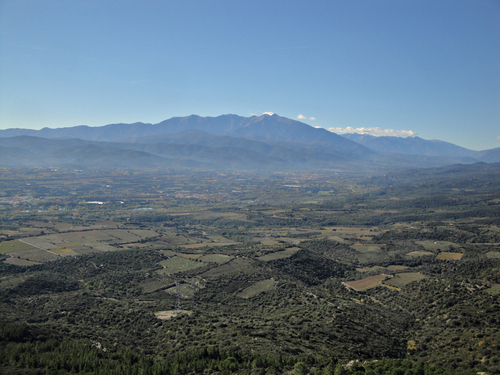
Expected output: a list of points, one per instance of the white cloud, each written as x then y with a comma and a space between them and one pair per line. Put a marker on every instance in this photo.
302, 117
268, 113
375, 131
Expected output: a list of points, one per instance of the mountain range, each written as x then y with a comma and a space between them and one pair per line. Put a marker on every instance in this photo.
267, 142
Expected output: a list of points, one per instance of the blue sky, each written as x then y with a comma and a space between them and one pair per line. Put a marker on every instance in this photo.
430, 68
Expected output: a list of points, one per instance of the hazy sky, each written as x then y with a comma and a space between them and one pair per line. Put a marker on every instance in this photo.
430, 68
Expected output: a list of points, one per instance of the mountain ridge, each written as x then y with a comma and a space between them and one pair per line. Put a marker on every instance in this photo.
267, 142
270, 128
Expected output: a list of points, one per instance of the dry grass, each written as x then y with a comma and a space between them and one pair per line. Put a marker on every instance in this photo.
164, 315
493, 255
367, 282
21, 262
449, 256
63, 251
190, 256
397, 268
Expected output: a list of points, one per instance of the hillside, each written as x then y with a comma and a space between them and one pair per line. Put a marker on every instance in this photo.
164, 272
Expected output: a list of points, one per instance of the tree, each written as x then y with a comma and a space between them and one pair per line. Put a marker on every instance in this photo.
340, 370
300, 368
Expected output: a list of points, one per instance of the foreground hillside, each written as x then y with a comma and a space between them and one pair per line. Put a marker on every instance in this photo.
169, 273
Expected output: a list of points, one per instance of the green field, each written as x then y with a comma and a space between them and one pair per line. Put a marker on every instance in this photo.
369, 253
437, 245
235, 267
216, 258
186, 290
153, 285
14, 246
36, 255
257, 288
176, 240
178, 264
220, 239
402, 279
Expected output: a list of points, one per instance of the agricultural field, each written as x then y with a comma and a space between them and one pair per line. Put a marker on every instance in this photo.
14, 246
493, 254
151, 286
449, 256
279, 254
216, 258
401, 279
178, 264
437, 246
368, 253
186, 291
367, 283
257, 288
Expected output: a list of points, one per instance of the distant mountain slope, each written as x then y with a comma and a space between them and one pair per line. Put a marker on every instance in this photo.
291, 152
490, 156
76, 153
411, 145
265, 128
36, 151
